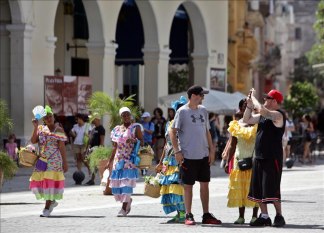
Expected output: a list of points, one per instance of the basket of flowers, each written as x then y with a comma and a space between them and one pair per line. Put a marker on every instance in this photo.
27, 156
152, 186
146, 155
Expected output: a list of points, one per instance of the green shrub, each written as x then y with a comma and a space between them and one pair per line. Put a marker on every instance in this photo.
7, 165
97, 155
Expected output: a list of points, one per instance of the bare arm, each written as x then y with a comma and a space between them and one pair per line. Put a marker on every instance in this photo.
275, 116
174, 140
102, 140
252, 102
210, 145
61, 146
34, 138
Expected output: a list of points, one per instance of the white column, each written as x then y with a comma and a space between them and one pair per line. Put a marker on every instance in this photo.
102, 67
4, 64
102, 71
156, 76
201, 70
21, 77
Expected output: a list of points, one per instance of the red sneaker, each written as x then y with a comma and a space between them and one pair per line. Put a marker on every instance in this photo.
190, 219
209, 218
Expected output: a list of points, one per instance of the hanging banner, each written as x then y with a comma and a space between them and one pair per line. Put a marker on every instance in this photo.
67, 95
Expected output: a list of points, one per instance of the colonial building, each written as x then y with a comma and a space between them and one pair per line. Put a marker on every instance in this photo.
122, 46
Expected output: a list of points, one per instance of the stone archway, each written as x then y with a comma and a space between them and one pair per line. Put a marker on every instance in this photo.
200, 54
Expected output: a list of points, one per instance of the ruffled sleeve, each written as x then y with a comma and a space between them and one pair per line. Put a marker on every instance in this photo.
60, 136
239, 131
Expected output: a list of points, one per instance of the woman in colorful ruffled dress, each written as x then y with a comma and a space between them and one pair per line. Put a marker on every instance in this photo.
47, 179
171, 187
242, 142
123, 171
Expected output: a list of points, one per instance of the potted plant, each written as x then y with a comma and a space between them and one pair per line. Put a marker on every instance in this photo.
98, 158
8, 168
103, 104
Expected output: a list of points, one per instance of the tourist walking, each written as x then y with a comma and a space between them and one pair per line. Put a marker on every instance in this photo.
97, 138
79, 132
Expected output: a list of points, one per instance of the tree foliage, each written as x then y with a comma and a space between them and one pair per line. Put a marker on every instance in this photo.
103, 104
178, 81
5, 120
302, 99
316, 54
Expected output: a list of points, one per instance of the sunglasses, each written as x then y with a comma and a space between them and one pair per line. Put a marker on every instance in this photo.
202, 95
268, 98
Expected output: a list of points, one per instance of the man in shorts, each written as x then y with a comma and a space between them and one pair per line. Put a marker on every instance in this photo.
267, 165
192, 146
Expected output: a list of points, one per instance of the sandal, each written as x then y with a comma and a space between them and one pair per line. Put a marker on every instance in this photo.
239, 221
175, 219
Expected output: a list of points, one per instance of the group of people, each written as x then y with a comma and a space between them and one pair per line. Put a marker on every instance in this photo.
257, 132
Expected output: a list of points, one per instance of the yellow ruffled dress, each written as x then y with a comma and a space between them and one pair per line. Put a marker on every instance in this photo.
239, 184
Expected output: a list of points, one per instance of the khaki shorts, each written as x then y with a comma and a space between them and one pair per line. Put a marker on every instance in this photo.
79, 149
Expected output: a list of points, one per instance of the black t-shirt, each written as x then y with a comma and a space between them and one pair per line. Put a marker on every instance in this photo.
268, 143
96, 133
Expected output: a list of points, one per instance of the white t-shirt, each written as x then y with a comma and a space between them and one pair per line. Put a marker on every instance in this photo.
287, 135
79, 131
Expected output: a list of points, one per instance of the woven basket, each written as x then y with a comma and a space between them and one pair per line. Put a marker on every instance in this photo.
152, 190
27, 158
146, 160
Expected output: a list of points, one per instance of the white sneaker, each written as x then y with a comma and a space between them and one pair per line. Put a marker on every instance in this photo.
45, 213
121, 213
53, 205
129, 206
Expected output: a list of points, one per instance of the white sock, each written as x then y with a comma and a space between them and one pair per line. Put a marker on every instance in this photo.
265, 216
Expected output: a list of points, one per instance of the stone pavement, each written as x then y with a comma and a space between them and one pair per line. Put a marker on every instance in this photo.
85, 209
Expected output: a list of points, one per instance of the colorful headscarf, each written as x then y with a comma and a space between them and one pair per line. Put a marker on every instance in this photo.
182, 100
48, 110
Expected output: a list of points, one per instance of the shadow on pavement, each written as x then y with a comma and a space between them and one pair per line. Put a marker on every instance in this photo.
74, 216
21, 203
146, 216
290, 201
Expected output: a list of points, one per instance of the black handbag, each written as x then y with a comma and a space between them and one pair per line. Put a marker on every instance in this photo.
245, 164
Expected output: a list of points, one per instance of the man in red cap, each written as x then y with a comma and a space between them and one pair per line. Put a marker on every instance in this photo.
267, 165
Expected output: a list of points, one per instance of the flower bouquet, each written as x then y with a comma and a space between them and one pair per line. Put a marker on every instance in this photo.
152, 186
146, 155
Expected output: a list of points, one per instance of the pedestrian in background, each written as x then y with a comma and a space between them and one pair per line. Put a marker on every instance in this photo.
307, 138
148, 127
97, 138
123, 171
159, 132
286, 139
267, 165
78, 132
12, 148
192, 145
47, 182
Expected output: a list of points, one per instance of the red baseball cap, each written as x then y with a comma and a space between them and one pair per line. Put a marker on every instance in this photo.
275, 94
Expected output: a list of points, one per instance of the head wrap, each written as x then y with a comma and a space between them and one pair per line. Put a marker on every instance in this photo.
182, 100
48, 110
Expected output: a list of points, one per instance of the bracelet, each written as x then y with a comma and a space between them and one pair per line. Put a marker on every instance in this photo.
177, 152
